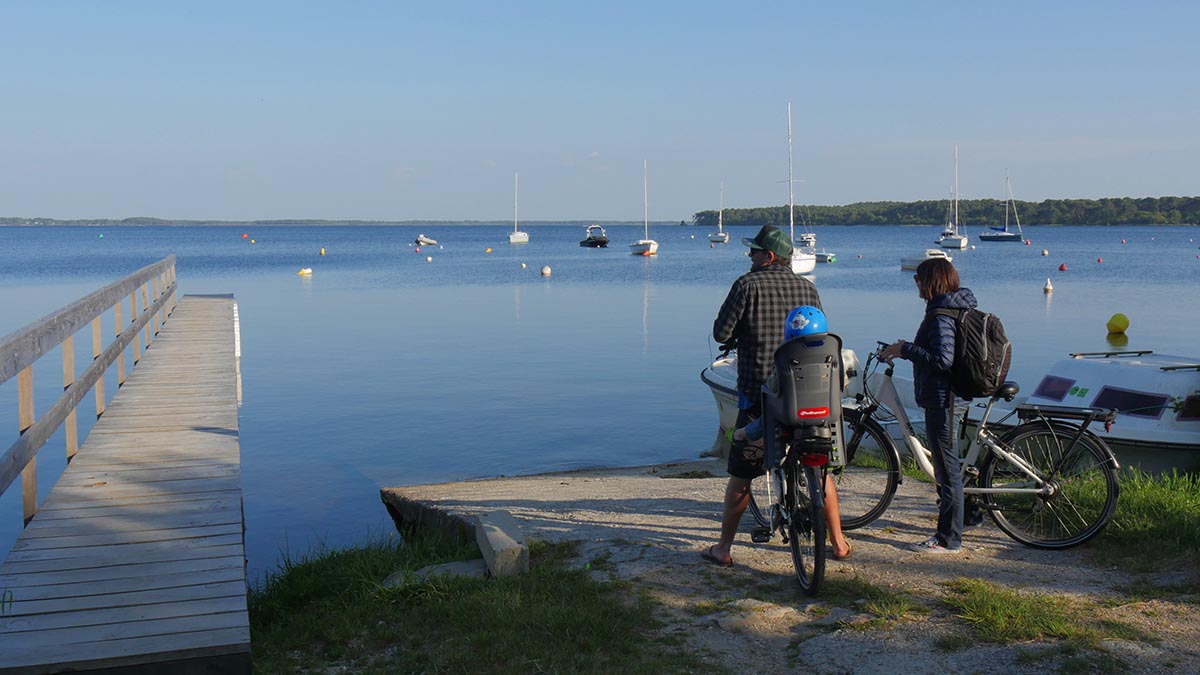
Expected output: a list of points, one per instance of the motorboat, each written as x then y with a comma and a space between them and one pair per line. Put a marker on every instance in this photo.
594, 237
824, 256
1157, 397
516, 236
1003, 233
952, 236
645, 245
804, 260
422, 240
720, 236
911, 262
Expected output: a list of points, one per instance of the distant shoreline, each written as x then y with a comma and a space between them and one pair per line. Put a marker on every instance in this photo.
47, 222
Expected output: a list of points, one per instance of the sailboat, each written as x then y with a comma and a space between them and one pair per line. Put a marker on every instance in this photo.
952, 237
516, 236
1003, 233
645, 245
803, 260
720, 236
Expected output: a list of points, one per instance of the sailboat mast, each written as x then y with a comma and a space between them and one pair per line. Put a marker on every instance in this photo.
956, 188
516, 175
721, 210
791, 199
645, 201
1008, 201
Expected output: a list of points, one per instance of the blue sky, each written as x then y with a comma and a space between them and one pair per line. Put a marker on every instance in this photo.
404, 111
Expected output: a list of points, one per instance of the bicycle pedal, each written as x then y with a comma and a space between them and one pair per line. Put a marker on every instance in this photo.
760, 535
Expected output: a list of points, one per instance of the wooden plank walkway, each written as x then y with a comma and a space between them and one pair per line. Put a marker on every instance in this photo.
136, 559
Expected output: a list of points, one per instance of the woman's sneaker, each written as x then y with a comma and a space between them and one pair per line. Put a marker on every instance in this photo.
932, 545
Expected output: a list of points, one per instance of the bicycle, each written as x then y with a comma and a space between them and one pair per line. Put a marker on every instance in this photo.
1047, 482
800, 427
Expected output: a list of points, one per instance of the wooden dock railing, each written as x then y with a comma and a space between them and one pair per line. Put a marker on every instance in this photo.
155, 286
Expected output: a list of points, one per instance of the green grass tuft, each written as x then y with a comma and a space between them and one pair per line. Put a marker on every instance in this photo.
1157, 522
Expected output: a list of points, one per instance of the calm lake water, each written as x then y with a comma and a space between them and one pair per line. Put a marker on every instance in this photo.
383, 369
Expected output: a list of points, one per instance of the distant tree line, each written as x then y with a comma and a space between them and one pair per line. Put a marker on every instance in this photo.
973, 212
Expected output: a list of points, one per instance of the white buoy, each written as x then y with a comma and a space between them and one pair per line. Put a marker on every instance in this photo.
545, 270
972, 247
428, 258
1049, 287
523, 265
1045, 251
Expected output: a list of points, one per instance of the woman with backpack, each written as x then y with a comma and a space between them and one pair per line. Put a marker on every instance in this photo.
932, 354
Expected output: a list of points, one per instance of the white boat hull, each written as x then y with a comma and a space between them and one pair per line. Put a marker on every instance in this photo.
644, 247
911, 262
518, 237
958, 241
802, 262
1157, 397
719, 238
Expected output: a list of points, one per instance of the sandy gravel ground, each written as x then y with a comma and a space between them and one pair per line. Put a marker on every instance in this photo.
649, 524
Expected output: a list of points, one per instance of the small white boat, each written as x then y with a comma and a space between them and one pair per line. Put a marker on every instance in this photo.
824, 256
911, 262
645, 245
952, 236
803, 261
807, 239
1003, 233
594, 237
422, 240
1157, 397
516, 236
720, 236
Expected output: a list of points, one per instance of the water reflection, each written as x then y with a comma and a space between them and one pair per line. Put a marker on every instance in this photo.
1118, 340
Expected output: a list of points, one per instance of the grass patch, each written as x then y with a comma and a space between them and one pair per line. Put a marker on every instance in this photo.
1145, 589
329, 613
1157, 522
693, 474
886, 605
1003, 616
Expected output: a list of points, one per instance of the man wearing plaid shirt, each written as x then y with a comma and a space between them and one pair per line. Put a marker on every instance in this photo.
753, 315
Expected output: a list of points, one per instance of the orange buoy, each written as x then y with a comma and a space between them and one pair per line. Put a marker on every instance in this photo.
417, 250
1099, 260
245, 236
1062, 267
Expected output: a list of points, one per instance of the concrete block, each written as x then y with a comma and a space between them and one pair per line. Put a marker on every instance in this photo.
502, 544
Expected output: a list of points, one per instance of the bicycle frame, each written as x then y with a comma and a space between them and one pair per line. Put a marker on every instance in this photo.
886, 396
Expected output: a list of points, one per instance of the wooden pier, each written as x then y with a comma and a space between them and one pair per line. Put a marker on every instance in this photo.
135, 560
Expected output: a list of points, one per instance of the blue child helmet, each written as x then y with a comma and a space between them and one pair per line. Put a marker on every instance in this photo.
804, 320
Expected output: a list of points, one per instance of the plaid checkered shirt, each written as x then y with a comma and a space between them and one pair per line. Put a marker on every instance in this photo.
753, 314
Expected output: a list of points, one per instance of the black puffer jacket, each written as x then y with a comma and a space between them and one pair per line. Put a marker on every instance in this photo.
932, 350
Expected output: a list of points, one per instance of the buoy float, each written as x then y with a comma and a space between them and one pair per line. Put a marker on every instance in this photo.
305, 272
972, 247
860, 256
251, 241
693, 236
1045, 251
100, 236
245, 236
322, 251
1062, 267
545, 270
1118, 323
1049, 287
487, 250
1122, 241
1099, 260
523, 265
712, 245
1026, 242
428, 258
417, 249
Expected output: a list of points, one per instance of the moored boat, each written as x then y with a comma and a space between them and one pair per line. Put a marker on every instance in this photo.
1003, 233
422, 240
594, 237
911, 262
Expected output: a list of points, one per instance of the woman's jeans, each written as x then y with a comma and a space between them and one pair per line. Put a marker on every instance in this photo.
947, 469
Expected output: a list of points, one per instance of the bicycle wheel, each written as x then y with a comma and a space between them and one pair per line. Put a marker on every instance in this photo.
806, 525
760, 500
1083, 488
867, 483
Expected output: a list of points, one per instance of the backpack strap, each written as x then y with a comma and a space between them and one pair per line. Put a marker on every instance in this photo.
954, 313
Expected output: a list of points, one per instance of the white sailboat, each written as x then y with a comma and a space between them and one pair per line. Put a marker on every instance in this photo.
645, 245
952, 236
804, 260
516, 236
720, 236
1003, 233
